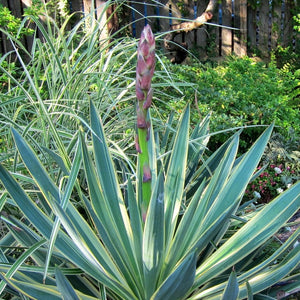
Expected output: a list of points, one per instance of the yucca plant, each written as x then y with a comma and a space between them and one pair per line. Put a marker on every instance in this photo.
162, 232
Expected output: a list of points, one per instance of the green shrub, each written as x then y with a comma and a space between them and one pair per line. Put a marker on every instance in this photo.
241, 92
297, 22
5, 81
12, 24
286, 58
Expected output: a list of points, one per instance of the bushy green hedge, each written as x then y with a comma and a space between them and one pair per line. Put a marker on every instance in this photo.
240, 92
12, 24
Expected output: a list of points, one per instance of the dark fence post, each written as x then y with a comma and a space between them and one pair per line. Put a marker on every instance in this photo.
17, 8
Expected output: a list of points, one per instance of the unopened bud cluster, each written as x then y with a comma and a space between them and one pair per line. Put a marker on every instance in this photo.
144, 73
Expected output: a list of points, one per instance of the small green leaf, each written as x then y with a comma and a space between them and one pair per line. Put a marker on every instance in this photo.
64, 286
57, 159
249, 291
36, 169
153, 239
179, 281
232, 289
33, 291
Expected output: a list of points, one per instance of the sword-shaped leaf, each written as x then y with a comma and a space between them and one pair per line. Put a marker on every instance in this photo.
153, 238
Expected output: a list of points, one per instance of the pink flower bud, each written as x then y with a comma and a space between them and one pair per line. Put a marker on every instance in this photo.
141, 67
146, 173
148, 101
148, 131
140, 95
147, 37
137, 145
145, 81
141, 119
145, 61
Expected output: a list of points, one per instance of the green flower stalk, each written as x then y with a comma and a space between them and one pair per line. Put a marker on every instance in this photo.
144, 73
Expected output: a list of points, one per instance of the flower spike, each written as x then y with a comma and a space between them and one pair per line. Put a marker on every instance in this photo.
144, 73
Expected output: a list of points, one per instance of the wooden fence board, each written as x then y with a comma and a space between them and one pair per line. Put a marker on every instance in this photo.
164, 11
260, 27
145, 12
240, 21
297, 33
102, 19
263, 28
251, 28
226, 33
276, 24
138, 17
200, 38
87, 6
288, 23
76, 5
16, 8
214, 35
28, 39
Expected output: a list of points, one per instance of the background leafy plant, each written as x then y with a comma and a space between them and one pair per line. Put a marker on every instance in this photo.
12, 24
240, 92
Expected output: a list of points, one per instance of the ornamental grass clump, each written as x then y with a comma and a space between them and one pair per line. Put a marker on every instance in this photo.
105, 240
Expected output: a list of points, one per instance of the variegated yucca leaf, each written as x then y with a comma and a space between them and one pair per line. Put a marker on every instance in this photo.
165, 257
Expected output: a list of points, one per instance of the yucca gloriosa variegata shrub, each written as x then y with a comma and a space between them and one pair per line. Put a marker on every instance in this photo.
162, 233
